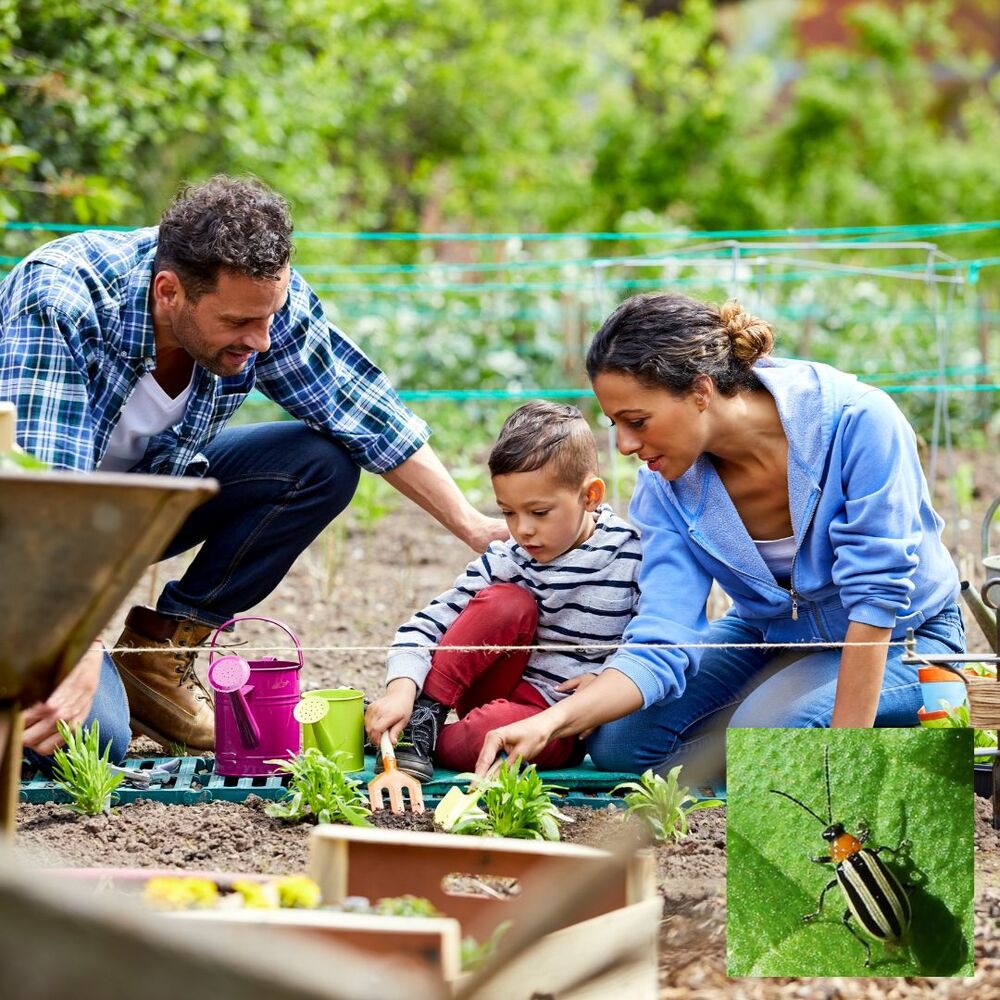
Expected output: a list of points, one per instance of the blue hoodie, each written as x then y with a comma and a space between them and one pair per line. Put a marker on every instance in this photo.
867, 541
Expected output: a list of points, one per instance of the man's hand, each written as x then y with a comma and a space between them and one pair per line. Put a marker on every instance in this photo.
70, 702
392, 711
424, 480
525, 739
486, 530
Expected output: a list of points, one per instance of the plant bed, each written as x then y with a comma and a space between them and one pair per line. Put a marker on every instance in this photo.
613, 935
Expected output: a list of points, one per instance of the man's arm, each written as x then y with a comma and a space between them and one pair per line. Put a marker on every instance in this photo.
424, 480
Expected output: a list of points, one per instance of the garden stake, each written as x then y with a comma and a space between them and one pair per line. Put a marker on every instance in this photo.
394, 782
874, 896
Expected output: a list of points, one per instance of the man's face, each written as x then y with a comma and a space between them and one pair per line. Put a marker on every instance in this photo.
226, 326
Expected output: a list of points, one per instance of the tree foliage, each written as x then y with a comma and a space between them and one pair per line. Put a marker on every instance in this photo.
435, 114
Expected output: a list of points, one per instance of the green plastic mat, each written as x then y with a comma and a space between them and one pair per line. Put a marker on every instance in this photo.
195, 780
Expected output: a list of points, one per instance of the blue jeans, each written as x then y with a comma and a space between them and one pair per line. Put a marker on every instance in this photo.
756, 688
280, 485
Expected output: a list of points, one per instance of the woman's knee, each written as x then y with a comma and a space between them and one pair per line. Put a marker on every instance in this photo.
627, 745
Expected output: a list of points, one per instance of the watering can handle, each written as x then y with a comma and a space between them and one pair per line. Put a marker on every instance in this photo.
254, 618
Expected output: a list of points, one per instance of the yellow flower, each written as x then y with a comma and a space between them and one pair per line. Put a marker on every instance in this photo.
180, 892
298, 892
257, 895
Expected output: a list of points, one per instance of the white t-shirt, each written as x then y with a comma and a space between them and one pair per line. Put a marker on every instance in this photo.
148, 412
778, 554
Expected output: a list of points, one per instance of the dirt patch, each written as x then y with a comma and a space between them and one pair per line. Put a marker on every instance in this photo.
354, 592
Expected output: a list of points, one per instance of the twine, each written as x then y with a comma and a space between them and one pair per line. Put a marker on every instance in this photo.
550, 647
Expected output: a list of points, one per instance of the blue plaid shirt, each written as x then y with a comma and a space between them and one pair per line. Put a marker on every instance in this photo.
76, 335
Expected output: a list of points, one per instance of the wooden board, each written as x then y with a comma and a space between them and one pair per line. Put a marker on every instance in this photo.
348, 861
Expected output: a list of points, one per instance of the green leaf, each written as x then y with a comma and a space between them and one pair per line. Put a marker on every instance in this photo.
905, 783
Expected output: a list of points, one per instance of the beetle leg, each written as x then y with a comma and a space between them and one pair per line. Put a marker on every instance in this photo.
823, 859
810, 917
863, 833
858, 937
903, 845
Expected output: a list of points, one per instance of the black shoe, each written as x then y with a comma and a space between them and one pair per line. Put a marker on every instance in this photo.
415, 749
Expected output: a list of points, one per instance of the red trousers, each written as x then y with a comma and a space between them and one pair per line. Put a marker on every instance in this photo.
485, 687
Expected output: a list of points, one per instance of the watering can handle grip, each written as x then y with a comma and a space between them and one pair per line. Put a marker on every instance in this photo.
255, 618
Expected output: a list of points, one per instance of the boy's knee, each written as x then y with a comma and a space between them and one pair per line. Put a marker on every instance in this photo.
509, 602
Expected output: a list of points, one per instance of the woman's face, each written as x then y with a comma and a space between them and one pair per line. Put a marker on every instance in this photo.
665, 431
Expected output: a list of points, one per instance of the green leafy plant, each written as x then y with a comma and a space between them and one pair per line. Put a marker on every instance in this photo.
83, 772
321, 788
957, 717
662, 803
515, 803
406, 906
473, 954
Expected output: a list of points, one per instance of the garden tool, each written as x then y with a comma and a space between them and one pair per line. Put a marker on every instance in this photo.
394, 782
228, 675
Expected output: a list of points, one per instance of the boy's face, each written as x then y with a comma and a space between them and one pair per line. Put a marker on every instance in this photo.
546, 517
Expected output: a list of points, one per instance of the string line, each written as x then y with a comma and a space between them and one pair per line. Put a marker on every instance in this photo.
550, 647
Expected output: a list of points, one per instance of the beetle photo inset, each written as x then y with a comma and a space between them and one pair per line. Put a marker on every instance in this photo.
875, 897
890, 892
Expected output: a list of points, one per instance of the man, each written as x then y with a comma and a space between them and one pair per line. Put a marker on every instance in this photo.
130, 352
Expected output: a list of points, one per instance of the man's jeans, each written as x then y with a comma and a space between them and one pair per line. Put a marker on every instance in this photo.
746, 688
280, 485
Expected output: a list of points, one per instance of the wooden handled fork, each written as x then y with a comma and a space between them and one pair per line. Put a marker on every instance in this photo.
395, 783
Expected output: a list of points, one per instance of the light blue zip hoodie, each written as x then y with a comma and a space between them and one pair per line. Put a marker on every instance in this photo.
867, 541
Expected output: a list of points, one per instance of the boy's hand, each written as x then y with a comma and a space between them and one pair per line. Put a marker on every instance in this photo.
392, 711
577, 683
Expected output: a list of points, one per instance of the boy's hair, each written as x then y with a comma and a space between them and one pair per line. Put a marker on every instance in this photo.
539, 434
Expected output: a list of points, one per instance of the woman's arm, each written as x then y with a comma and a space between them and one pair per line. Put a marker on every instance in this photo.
609, 697
859, 682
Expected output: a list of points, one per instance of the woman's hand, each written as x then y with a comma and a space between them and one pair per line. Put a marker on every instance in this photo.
392, 711
525, 739
577, 683
70, 702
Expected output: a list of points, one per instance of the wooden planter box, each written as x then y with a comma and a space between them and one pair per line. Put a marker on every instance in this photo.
607, 948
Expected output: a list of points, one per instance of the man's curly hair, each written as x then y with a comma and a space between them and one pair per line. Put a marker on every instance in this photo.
238, 224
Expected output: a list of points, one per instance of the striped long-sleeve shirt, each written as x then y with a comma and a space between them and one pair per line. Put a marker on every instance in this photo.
585, 596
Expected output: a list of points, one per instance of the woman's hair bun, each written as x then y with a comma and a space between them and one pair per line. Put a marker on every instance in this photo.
750, 337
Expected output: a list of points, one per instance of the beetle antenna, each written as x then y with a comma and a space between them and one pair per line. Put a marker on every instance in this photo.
798, 803
826, 767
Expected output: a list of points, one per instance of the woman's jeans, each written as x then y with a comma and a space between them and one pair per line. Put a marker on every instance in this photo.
280, 485
756, 688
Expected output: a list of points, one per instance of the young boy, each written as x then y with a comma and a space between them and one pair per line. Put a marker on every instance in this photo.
567, 576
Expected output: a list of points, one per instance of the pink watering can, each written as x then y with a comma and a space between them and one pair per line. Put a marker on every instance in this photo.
254, 702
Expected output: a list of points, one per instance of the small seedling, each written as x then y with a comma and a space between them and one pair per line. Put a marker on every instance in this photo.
474, 954
83, 772
514, 803
406, 906
662, 803
957, 717
320, 788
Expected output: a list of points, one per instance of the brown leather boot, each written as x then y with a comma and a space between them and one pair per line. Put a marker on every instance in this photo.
167, 700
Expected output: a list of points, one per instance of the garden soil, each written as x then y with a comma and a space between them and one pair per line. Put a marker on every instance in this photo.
352, 589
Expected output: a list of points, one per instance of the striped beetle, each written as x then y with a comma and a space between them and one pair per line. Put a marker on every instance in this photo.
876, 899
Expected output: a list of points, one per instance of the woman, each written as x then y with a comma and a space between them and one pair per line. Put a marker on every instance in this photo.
795, 487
